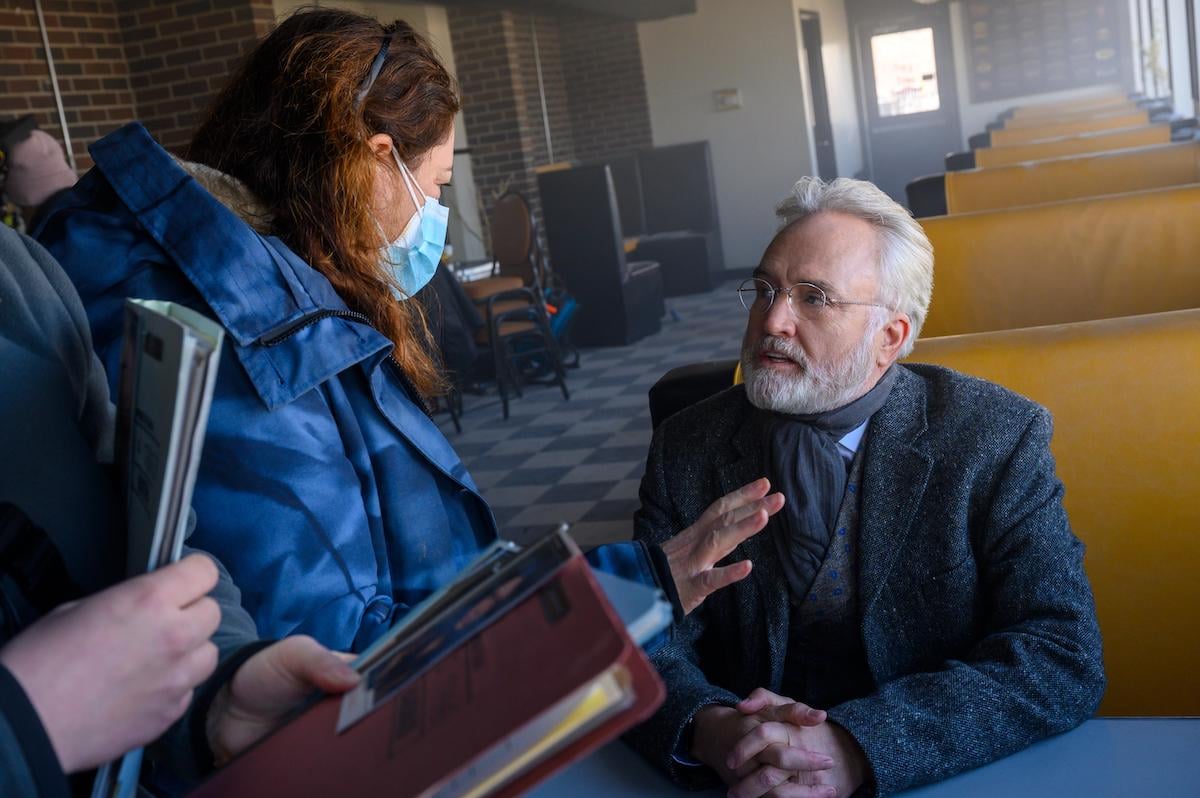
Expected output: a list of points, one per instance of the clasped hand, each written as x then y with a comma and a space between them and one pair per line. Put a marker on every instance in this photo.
772, 746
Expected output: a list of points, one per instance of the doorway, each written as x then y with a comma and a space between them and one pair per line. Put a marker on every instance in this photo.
816, 96
909, 96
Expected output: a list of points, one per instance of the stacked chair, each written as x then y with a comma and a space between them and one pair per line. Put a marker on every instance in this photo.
1075, 282
516, 326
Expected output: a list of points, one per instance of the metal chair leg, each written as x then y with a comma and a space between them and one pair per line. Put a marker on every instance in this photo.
499, 367
551, 347
514, 374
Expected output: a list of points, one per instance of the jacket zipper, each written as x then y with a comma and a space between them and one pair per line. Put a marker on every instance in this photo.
308, 321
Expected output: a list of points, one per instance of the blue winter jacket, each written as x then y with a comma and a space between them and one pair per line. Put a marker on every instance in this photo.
332, 498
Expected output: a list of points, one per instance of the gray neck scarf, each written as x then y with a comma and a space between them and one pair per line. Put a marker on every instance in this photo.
804, 463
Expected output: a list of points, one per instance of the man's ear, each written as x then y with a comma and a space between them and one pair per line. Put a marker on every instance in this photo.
892, 338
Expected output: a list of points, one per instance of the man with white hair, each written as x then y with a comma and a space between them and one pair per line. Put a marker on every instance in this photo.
919, 606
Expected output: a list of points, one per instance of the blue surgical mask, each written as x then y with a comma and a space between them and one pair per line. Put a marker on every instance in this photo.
414, 256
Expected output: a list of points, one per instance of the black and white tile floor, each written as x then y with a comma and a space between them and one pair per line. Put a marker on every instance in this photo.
581, 460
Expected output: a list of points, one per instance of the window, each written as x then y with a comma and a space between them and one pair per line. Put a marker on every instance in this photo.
905, 72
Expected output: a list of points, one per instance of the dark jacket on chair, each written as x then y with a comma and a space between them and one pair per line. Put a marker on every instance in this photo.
975, 613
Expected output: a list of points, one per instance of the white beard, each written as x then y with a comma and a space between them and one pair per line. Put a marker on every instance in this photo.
817, 389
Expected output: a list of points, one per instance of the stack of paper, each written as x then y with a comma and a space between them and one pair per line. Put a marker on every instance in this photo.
168, 371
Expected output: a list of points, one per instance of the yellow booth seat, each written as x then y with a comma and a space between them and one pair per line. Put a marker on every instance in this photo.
1118, 255
1073, 177
1072, 116
1060, 128
1093, 103
1124, 394
1044, 115
1100, 141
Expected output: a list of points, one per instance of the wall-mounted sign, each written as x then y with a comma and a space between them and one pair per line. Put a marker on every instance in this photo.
1023, 47
727, 99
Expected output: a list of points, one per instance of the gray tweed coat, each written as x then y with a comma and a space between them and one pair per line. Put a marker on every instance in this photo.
975, 612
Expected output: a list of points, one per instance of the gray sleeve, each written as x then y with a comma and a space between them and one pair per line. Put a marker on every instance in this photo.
237, 628
58, 419
40, 310
179, 760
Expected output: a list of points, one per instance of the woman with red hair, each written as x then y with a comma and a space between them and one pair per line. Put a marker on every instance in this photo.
304, 217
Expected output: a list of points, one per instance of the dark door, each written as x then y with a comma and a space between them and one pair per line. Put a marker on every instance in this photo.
905, 69
822, 124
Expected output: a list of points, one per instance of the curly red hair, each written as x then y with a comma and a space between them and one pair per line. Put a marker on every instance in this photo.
289, 127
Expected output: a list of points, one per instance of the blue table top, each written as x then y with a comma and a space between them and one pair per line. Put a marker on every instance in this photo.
1103, 757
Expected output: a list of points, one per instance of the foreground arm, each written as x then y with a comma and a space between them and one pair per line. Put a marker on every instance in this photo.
131, 654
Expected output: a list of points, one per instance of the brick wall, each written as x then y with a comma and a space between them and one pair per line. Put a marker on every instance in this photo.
181, 53
93, 74
594, 86
549, 50
160, 61
602, 67
483, 44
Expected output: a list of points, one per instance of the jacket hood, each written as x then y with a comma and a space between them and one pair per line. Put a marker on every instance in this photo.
207, 226
232, 193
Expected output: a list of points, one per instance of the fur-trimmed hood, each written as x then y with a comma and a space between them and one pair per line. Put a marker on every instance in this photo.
232, 193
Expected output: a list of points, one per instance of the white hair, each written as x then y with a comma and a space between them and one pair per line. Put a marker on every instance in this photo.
905, 254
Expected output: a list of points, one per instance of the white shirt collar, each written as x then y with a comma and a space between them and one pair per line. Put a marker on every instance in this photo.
849, 442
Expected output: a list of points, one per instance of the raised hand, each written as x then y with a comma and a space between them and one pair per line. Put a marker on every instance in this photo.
731, 519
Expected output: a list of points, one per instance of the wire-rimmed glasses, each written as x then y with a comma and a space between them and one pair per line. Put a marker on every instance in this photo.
806, 300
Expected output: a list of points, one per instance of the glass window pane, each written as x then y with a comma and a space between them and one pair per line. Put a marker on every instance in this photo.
1156, 54
905, 72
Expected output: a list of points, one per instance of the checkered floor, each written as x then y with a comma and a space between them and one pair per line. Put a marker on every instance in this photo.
581, 460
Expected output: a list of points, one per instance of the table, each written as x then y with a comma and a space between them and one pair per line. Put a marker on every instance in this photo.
1103, 757
472, 270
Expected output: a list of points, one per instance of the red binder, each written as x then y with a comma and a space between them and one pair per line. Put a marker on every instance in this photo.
508, 676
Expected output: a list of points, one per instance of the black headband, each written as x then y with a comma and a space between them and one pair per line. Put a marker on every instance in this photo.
376, 65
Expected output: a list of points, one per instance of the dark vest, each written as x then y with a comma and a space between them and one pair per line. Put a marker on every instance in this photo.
826, 663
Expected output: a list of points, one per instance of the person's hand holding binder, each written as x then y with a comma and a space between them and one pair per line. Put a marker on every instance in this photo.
267, 687
694, 552
113, 671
